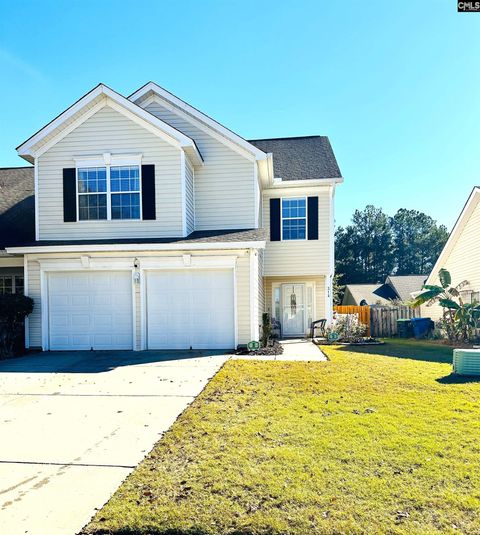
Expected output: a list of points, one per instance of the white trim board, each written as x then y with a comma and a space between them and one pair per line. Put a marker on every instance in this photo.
139, 247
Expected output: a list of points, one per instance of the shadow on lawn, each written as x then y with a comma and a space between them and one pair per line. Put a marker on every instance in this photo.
454, 379
406, 349
176, 531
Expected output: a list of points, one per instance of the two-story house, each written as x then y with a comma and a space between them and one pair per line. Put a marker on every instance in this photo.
155, 227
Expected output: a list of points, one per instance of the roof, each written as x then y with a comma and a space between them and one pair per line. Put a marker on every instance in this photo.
300, 158
405, 285
467, 210
366, 292
17, 206
235, 236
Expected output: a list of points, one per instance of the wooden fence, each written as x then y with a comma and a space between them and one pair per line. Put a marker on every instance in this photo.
381, 321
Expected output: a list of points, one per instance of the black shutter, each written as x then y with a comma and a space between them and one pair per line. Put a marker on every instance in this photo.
69, 195
275, 220
148, 191
312, 218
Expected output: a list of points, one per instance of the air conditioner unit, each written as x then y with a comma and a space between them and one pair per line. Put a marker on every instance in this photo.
466, 361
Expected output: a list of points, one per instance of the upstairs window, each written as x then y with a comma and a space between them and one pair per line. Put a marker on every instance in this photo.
125, 188
294, 219
110, 192
92, 197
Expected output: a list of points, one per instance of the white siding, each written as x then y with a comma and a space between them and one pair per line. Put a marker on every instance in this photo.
35, 318
243, 299
224, 185
189, 197
261, 287
110, 131
300, 257
463, 262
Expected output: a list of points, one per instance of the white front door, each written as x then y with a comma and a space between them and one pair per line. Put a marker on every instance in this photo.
293, 313
90, 310
190, 308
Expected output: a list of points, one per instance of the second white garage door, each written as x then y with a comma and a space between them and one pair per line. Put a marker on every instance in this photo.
90, 310
190, 308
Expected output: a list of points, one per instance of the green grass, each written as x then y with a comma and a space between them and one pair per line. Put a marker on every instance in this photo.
365, 443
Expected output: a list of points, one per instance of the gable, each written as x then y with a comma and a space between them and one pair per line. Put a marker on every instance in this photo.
88, 105
461, 254
210, 146
109, 130
153, 92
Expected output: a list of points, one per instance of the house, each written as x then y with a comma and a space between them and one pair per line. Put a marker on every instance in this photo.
395, 288
145, 224
461, 255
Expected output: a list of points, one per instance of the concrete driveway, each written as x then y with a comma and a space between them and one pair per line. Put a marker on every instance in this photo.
75, 424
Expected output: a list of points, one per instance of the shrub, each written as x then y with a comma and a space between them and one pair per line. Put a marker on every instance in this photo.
460, 320
348, 327
266, 329
14, 308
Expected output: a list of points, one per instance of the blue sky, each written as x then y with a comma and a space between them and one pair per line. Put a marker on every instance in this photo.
393, 84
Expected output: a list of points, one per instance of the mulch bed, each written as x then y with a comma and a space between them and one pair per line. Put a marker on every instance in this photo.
275, 349
365, 342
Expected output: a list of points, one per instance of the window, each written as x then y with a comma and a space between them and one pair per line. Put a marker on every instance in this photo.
125, 188
92, 197
276, 298
110, 192
11, 284
294, 219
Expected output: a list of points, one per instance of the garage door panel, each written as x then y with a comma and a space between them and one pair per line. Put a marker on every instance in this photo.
90, 310
190, 308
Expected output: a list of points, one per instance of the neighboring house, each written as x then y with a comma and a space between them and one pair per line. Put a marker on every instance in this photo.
395, 288
362, 295
155, 227
461, 255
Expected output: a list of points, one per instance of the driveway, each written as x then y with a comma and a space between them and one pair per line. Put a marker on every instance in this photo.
75, 424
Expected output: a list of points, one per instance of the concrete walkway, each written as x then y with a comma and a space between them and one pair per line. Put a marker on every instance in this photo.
299, 349
75, 424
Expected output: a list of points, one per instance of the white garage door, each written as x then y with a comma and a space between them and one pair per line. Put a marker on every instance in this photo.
90, 310
190, 308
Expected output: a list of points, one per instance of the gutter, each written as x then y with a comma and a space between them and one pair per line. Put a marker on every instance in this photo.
180, 246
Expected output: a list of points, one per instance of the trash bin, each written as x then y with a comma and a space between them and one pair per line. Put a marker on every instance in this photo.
422, 326
404, 328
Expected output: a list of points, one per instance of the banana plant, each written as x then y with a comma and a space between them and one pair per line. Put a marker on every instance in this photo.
461, 319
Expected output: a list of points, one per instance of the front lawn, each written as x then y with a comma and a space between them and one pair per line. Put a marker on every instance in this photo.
365, 443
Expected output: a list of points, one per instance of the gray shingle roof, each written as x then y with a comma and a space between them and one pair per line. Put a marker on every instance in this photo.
17, 206
300, 158
404, 285
363, 292
199, 236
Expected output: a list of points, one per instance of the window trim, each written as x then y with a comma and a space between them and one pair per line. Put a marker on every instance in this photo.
282, 218
114, 162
